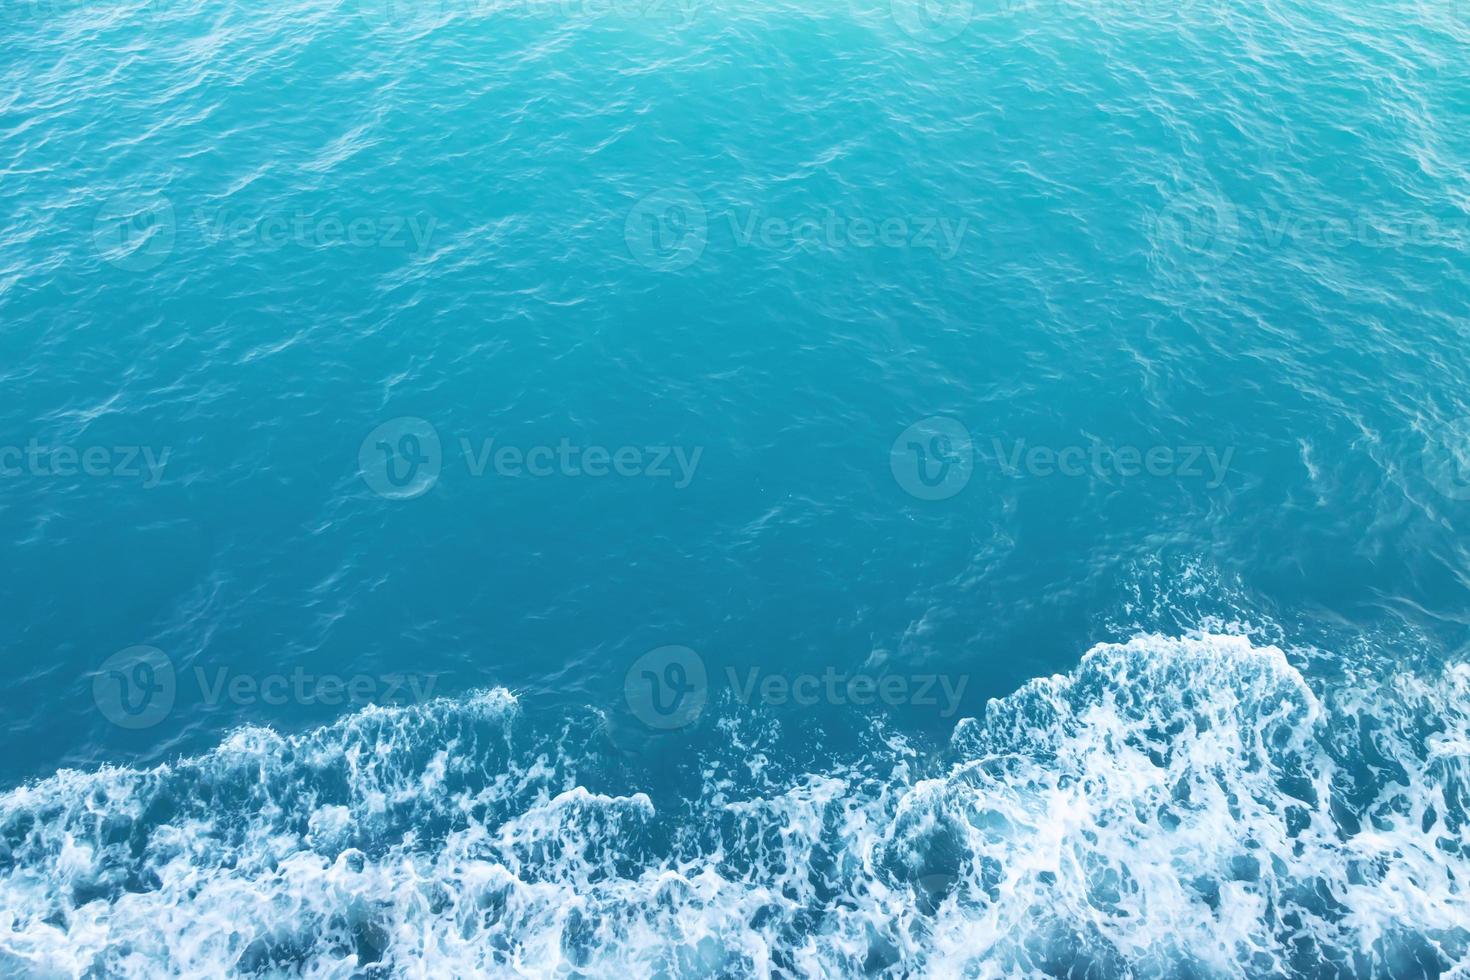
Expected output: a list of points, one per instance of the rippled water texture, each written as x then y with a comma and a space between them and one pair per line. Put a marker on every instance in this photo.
685, 488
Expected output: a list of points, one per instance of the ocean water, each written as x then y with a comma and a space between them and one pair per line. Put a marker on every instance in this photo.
735, 488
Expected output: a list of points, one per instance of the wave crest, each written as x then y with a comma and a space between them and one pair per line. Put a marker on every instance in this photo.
1172, 807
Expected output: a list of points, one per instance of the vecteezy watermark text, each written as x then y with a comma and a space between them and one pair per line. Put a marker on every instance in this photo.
934, 459
1096, 459
670, 228
836, 687
1210, 229
138, 232
668, 688
270, 232
404, 457
36, 459
136, 688
420, 14
935, 233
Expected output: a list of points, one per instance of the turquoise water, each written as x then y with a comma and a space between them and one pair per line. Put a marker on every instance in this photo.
694, 488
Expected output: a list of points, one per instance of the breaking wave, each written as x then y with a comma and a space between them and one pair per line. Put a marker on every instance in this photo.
1173, 807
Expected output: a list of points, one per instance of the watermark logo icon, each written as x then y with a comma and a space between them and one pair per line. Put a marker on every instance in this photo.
667, 688
934, 458
402, 458
1447, 459
1204, 228
135, 688
667, 230
933, 21
135, 233
400, 13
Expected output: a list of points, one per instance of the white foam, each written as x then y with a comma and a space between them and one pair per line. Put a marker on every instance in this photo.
1172, 806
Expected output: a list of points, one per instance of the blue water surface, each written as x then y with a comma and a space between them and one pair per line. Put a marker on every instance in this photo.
858, 364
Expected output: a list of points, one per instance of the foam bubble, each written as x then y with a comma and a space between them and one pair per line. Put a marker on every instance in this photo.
1173, 806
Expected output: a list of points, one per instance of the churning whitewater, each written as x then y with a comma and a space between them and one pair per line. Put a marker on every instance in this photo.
1172, 807
388, 386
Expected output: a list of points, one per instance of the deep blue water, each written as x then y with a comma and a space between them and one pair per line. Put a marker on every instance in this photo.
701, 488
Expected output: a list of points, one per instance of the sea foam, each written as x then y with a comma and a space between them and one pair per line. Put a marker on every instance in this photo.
1171, 807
